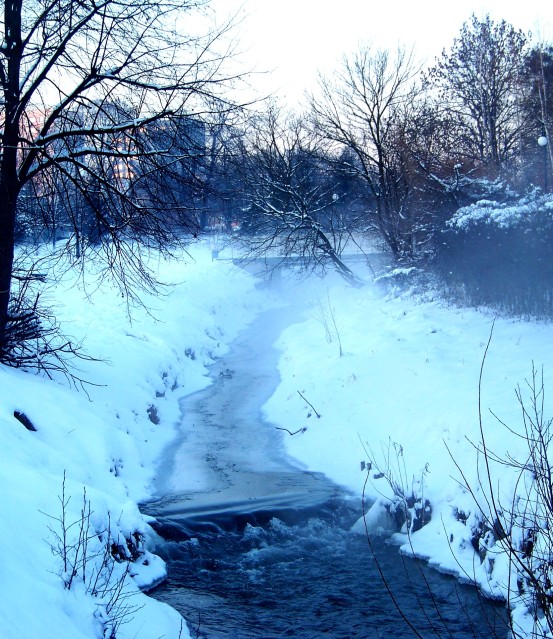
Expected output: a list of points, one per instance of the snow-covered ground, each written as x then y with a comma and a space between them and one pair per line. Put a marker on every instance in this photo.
104, 440
365, 376
393, 380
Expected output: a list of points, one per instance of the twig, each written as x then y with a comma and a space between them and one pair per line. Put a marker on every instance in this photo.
198, 627
333, 318
310, 404
300, 430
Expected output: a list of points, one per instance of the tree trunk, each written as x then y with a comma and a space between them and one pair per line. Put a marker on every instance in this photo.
329, 251
8, 196
9, 179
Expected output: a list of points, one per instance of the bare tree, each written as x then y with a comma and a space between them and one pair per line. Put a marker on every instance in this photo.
479, 88
220, 200
365, 110
291, 207
538, 104
82, 82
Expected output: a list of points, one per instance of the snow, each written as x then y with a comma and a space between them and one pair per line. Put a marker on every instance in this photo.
504, 215
365, 377
104, 442
404, 396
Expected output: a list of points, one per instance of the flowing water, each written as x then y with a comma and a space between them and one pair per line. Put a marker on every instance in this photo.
314, 578
258, 548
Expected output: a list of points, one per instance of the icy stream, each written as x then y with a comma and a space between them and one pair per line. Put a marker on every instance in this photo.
258, 548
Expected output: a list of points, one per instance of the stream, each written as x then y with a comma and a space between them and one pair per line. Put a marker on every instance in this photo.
257, 547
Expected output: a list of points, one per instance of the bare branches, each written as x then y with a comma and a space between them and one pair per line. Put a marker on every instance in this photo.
365, 111
291, 196
94, 559
479, 83
407, 505
34, 339
328, 320
514, 498
103, 130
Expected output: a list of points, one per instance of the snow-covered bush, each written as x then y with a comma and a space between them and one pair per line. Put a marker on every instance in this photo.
403, 504
530, 209
500, 254
97, 561
408, 281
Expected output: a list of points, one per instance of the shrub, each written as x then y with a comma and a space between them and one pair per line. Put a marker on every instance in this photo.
501, 255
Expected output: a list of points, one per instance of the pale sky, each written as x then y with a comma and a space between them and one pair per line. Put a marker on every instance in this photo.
293, 39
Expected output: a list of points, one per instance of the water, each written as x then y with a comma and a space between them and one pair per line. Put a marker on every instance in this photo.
258, 548
311, 577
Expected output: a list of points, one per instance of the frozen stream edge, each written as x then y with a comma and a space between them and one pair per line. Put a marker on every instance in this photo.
227, 461
228, 465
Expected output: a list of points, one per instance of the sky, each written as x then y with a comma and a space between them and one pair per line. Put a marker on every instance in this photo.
291, 40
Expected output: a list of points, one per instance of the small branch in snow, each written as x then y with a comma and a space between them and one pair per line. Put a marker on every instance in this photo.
300, 430
310, 404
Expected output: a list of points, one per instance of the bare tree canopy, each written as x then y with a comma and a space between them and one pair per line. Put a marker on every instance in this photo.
479, 82
363, 109
96, 99
538, 76
291, 195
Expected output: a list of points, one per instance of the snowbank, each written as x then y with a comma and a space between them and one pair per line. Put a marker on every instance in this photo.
71, 487
392, 382
365, 379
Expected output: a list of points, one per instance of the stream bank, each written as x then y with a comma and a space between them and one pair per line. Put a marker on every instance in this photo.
258, 548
